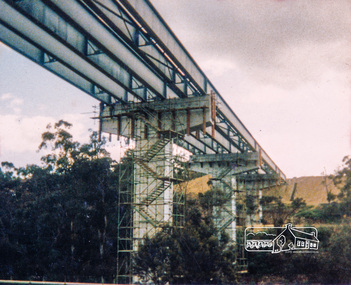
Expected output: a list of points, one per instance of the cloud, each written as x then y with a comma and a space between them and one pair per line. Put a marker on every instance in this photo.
218, 66
2, 46
6, 96
264, 38
17, 102
81, 125
305, 63
283, 67
12, 102
303, 131
20, 136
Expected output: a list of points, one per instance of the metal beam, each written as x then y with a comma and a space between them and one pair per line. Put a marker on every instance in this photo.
23, 36
117, 17
153, 24
68, 43
118, 52
224, 158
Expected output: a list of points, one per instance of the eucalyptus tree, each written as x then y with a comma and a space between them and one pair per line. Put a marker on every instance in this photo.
60, 217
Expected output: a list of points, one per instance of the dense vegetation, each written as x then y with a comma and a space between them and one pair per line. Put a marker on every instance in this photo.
332, 263
58, 222
195, 253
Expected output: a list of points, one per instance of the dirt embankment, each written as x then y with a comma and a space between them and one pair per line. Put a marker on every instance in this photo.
312, 189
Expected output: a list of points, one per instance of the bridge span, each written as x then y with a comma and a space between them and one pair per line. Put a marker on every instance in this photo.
122, 53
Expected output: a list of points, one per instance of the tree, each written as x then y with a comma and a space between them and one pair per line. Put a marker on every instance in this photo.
195, 254
335, 259
60, 217
279, 212
342, 179
324, 213
9, 251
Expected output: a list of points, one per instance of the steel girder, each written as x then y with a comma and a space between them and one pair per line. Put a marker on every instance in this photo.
120, 51
152, 23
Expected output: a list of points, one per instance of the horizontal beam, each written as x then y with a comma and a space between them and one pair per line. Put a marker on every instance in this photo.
118, 19
225, 157
95, 53
168, 105
152, 22
95, 29
24, 36
188, 116
258, 177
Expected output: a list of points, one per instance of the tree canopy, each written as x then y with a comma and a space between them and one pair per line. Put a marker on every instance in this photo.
196, 253
58, 220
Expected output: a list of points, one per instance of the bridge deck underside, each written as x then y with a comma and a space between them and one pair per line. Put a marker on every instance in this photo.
120, 52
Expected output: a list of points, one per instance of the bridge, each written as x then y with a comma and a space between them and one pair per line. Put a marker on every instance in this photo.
122, 53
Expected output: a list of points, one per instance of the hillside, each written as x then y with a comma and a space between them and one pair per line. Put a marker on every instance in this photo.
312, 189
196, 185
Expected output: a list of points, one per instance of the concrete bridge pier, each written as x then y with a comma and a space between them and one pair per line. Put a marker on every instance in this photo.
153, 128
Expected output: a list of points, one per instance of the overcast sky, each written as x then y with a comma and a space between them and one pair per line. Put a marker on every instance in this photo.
282, 66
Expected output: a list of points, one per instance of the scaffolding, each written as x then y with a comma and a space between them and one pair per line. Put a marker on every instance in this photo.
237, 186
147, 201
125, 222
248, 210
226, 191
231, 216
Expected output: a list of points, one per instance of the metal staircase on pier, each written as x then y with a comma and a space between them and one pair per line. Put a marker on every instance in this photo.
143, 212
160, 188
142, 207
228, 216
151, 202
155, 149
147, 168
231, 218
224, 173
144, 118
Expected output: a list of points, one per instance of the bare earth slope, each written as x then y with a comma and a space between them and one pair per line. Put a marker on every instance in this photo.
312, 189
